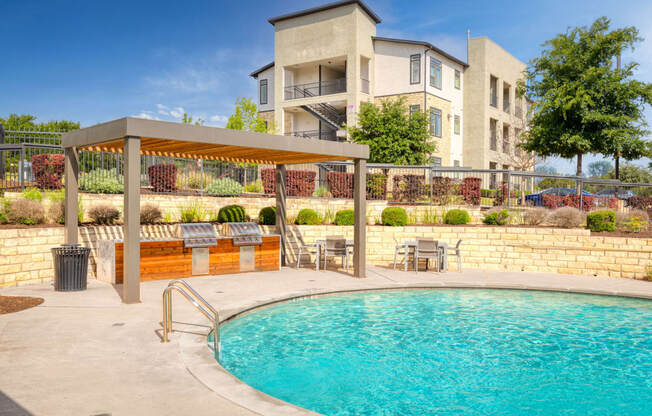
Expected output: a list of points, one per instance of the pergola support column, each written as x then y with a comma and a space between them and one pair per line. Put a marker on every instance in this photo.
131, 227
360, 213
71, 207
281, 226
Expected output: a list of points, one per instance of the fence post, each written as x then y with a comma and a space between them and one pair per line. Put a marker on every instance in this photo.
21, 167
430, 182
201, 177
2, 153
581, 186
509, 188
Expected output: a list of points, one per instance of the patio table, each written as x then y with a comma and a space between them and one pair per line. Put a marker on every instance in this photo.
442, 247
321, 243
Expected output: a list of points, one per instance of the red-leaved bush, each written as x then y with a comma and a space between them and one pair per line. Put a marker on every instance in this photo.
573, 201
376, 186
640, 202
442, 190
163, 178
48, 170
297, 182
340, 184
408, 188
471, 191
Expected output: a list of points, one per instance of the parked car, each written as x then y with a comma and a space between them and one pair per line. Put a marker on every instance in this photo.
623, 194
537, 199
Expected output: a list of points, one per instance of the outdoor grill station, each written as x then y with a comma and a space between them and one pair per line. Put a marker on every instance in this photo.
134, 259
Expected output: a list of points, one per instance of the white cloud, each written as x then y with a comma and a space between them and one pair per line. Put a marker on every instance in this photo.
217, 120
177, 112
163, 110
149, 115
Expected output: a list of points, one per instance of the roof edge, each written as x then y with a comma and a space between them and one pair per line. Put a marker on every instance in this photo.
328, 6
423, 43
261, 69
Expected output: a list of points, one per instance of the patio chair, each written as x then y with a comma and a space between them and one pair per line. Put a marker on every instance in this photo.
401, 250
457, 253
306, 249
426, 249
336, 247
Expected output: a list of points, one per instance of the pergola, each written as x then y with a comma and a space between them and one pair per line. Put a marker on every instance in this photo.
134, 137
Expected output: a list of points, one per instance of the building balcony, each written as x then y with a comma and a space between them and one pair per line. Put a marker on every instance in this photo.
315, 89
326, 134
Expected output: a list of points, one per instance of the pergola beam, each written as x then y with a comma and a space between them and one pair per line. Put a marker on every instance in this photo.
71, 207
281, 221
131, 227
360, 214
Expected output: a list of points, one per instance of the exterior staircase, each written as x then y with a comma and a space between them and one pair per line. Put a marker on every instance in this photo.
327, 114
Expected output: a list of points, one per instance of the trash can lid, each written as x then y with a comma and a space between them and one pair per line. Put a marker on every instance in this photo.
71, 245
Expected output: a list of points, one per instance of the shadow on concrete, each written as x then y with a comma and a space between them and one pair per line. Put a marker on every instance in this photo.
8, 407
175, 328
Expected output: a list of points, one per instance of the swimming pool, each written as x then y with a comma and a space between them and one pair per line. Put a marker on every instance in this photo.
449, 352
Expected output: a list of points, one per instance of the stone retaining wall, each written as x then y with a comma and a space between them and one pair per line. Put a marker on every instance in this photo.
171, 204
25, 253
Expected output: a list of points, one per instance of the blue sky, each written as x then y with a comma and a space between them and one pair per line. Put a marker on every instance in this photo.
94, 61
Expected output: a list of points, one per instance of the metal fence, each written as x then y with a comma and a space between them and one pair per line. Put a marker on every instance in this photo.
21, 167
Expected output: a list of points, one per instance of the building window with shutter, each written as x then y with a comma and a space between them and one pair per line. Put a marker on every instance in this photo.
415, 69
458, 79
456, 125
263, 91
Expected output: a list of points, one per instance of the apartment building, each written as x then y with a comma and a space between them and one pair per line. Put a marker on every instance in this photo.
328, 61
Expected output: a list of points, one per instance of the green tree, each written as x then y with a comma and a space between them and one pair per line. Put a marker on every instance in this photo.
599, 168
582, 102
189, 120
392, 134
246, 117
29, 122
631, 174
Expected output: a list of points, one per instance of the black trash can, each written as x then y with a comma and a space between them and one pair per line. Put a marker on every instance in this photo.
70, 267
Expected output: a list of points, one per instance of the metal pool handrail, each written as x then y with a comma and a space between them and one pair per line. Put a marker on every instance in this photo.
195, 299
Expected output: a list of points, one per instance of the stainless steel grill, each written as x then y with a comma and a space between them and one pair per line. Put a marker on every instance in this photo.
245, 233
197, 234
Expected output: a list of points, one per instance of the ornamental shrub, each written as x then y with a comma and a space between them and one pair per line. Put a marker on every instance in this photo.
192, 212
598, 221
231, 213
345, 217
442, 190
566, 217
558, 201
394, 217
163, 178
640, 202
457, 217
408, 188
48, 170
471, 190
308, 216
224, 187
102, 181
376, 186
254, 187
297, 182
340, 184
267, 216
150, 214
33, 194
25, 211
535, 216
496, 217
322, 192
56, 212
104, 214
634, 221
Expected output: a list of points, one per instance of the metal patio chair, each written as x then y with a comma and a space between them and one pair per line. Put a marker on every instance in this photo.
457, 253
426, 249
401, 250
336, 247
306, 249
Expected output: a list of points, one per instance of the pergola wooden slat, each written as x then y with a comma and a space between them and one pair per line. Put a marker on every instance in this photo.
134, 136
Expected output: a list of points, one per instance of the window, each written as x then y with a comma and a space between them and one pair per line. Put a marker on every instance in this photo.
493, 140
435, 161
492, 178
414, 109
415, 69
435, 73
456, 163
435, 122
263, 91
493, 91
458, 79
456, 125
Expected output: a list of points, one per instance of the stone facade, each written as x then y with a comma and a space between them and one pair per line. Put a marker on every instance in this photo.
25, 253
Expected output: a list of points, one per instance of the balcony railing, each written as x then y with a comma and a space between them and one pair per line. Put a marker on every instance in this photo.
315, 89
493, 100
364, 85
506, 106
329, 135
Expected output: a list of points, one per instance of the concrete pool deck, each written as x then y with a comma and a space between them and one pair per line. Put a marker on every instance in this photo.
87, 353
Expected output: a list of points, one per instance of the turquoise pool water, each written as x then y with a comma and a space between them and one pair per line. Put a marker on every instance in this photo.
449, 352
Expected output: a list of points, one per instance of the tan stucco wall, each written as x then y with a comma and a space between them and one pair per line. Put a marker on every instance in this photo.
486, 58
25, 253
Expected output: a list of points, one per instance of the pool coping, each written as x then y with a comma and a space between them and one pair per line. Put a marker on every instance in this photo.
201, 363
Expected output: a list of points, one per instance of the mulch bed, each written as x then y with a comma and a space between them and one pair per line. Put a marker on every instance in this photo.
9, 304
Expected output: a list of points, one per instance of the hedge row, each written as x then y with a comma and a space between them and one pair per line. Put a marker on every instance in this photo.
573, 201
297, 182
